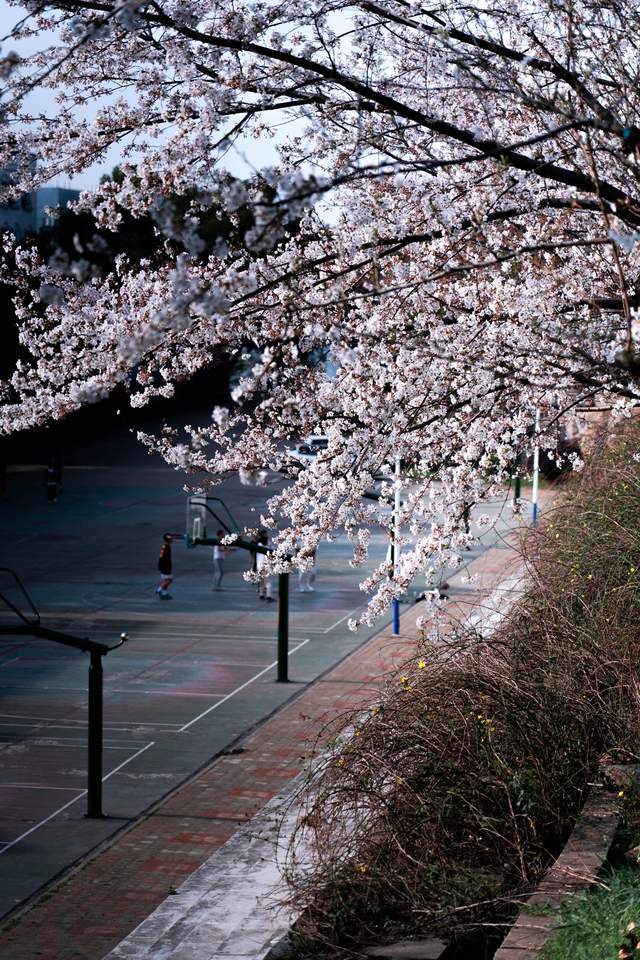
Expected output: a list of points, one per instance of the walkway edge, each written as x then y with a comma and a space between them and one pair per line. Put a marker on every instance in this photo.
229, 906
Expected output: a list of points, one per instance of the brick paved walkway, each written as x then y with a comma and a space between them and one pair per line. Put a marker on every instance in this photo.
95, 907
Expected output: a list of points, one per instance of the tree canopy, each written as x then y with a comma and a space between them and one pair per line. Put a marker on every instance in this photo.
465, 180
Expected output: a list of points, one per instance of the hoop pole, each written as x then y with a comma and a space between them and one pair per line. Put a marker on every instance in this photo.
94, 786
283, 628
517, 494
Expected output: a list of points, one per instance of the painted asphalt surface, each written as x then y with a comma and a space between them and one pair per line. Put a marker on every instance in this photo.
198, 670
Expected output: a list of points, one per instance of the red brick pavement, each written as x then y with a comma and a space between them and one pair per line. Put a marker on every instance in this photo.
86, 915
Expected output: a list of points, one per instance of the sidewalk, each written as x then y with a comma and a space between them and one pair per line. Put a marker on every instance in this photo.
90, 911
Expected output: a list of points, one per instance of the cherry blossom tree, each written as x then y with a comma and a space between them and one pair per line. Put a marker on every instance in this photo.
465, 179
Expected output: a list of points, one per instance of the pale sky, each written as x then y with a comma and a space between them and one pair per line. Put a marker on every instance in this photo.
241, 160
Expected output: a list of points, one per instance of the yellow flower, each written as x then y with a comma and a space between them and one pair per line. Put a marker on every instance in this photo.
357, 733
621, 793
422, 664
404, 679
632, 569
341, 762
589, 576
362, 868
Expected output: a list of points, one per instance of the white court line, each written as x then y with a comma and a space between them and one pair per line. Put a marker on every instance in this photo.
74, 800
237, 690
134, 723
41, 732
34, 786
170, 662
42, 740
334, 625
205, 636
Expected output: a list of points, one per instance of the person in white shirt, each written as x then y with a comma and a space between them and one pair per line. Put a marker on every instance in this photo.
265, 590
307, 578
219, 553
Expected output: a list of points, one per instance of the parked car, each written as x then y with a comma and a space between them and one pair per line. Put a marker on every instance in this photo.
307, 450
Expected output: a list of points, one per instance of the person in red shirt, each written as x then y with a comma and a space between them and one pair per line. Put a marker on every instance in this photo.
165, 568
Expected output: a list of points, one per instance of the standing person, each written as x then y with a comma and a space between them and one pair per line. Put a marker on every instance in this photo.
264, 583
253, 553
466, 519
50, 481
307, 577
219, 553
56, 462
165, 568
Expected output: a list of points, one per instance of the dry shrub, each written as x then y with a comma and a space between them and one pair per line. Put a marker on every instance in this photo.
450, 796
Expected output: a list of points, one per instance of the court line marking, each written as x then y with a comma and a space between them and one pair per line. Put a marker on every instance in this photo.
74, 800
65, 720
334, 625
34, 786
264, 638
159, 690
41, 732
43, 740
237, 690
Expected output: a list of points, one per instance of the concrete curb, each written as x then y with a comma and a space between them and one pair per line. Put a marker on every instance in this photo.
575, 870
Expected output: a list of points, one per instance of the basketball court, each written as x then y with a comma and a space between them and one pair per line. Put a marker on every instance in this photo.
196, 673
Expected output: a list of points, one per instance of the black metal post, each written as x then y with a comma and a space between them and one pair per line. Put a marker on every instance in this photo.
516, 494
94, 790
283, 627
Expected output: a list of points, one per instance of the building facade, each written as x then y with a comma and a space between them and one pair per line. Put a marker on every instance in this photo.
30, 212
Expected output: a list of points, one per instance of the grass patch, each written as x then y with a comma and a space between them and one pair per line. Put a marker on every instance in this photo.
592, 925
538, 909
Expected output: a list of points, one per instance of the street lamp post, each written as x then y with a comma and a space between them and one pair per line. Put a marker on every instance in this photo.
536, 471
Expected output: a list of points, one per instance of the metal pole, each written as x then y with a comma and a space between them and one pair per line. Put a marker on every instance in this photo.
517, 492
283, 627
94, 789
536, 472
396, 547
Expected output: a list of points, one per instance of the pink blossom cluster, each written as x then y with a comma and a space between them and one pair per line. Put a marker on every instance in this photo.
447, 243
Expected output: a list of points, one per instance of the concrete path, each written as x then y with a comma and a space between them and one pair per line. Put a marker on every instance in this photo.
102, 901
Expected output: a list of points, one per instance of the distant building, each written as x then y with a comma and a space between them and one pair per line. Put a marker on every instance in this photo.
18, 216
28, 214
51, 197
